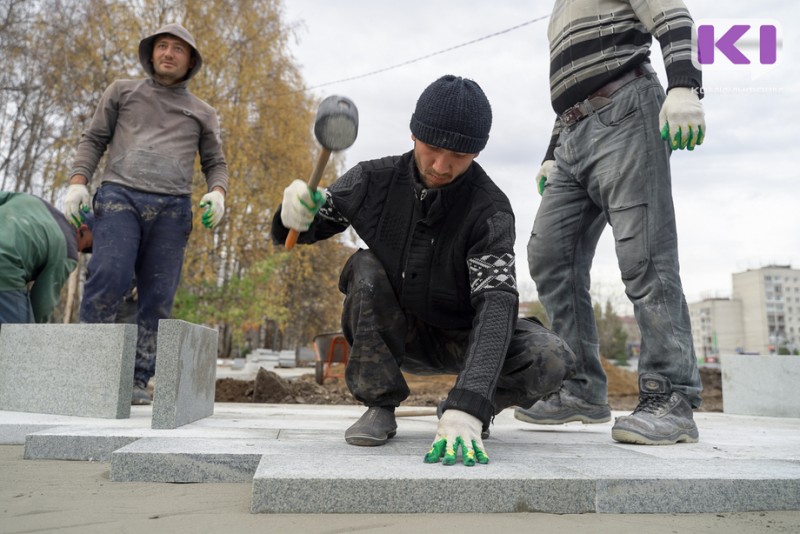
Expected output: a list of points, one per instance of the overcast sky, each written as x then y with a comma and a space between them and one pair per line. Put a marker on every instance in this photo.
736, 196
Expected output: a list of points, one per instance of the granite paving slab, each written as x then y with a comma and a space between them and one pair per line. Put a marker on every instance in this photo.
186, 367
67, 369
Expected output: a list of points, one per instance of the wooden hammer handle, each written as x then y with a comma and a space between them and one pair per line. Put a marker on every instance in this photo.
415, 412
313, 182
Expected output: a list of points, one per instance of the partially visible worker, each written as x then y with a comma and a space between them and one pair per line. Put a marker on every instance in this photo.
38, 250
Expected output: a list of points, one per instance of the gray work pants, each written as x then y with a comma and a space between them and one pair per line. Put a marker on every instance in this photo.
613, 168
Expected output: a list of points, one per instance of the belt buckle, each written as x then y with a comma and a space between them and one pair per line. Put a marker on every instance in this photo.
572, 115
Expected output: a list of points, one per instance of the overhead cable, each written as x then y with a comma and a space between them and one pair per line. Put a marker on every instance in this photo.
432, 54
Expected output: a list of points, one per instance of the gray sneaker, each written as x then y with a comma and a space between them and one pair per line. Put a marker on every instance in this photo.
140, 396
374, 428
663, 417
562, 407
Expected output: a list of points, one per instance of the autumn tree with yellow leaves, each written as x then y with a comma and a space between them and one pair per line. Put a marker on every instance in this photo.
58, 56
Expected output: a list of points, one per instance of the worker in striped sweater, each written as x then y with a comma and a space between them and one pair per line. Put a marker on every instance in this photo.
608, 164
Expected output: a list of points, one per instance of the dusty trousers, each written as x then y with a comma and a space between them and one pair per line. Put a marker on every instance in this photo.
386, 340
612, 169
143, 235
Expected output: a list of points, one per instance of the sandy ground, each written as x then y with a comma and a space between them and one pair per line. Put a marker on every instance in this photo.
63, 496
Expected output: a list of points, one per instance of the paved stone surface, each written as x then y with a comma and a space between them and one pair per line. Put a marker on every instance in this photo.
761, 385
80, 443
363, 481
190, 459
67, 369
186, 365
299, 463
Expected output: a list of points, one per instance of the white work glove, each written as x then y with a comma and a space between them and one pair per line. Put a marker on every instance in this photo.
215, 210
77, 202
541, 176
457, 428
681, 119
300, 205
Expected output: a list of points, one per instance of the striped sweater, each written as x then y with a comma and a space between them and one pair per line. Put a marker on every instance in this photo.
592, 42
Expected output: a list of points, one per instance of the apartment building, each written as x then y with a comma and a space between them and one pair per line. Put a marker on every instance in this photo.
716, 328
770, 300
762, 317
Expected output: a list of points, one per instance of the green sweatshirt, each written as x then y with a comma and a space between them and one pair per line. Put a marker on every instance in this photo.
35, 246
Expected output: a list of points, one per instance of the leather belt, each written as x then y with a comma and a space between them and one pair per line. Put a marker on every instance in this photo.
601, 97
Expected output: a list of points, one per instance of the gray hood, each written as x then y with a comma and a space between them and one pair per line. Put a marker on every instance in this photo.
146, 48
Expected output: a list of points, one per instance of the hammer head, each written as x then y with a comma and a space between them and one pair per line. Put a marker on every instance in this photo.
336, 125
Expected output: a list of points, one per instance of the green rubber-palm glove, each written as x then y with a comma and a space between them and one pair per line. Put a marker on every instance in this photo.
214, 202
456, 430
77, 201
300, 205
541, 176
681, 120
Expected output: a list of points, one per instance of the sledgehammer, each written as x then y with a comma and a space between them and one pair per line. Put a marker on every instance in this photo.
336, 128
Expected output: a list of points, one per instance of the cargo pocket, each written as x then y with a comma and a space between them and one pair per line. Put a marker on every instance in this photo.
629, 225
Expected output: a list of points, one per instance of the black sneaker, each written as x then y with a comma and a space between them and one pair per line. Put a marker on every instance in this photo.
663, 417
562, 407
374, 428
140, 397
440, 410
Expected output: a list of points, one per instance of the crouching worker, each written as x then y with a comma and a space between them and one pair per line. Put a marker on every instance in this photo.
38, 250
436, 292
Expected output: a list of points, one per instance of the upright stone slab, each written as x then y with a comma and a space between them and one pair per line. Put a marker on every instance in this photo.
186, 373
761, 385
67, 369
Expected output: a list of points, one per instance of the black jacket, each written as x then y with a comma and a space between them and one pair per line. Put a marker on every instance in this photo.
448, 252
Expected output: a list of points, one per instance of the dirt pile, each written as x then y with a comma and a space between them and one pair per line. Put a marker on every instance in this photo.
268, 387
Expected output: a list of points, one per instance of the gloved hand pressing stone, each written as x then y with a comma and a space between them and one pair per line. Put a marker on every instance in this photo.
300, 205
681, 119
215, 210
77, 201
457, 429
541, 176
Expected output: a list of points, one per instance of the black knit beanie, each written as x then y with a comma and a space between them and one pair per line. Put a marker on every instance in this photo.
453, 113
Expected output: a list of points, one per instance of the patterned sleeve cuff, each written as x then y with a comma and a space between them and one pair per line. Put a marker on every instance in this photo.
492, 271
329, 212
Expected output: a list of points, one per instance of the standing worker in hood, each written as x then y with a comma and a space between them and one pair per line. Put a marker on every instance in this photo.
38, 250
436, 291
153, 129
